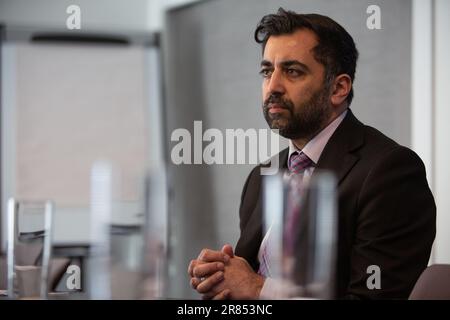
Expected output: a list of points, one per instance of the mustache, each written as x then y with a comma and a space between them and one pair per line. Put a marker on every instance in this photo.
276, 99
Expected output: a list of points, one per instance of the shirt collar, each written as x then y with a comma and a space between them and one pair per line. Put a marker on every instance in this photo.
313, 149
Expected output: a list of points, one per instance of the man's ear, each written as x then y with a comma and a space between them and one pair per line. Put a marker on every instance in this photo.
341, 88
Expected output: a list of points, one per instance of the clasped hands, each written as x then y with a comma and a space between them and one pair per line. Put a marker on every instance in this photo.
221, 275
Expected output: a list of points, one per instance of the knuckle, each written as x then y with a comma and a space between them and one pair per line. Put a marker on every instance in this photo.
197, 273
220, 296
201, 271
207, 285
191, 266
203, 254
203, 288
193, 283
218, 276
211, 268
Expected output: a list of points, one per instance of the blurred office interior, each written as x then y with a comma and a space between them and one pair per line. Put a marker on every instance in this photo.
149, 67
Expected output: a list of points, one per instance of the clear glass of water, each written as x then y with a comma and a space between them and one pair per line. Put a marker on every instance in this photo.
300, 220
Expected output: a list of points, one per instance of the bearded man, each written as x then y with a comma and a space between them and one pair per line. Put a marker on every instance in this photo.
386, 211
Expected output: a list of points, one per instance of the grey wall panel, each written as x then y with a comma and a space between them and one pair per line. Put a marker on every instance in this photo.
212, 65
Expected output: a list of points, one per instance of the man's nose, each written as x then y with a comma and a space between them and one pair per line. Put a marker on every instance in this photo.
276, 83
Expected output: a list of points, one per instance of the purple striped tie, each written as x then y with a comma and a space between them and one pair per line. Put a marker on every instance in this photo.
298, 163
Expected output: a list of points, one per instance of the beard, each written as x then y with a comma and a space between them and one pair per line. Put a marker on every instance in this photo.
303, 121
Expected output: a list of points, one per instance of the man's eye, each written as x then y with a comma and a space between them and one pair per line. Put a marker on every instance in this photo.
294, 72
265, 73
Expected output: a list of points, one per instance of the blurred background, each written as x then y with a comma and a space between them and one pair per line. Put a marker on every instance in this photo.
144, 68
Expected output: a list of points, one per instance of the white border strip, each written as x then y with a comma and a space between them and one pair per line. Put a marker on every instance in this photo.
422, 108
442, 129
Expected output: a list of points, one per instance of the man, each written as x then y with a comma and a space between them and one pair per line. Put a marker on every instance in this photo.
386, 210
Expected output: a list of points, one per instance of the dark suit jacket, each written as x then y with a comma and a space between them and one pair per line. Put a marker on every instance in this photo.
386, 211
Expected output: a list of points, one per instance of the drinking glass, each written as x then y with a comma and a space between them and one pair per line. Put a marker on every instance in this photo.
300, 228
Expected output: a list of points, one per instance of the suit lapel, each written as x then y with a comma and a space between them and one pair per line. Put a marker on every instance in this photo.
338, 155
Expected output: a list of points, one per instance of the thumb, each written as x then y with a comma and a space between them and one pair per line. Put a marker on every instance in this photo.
228, 249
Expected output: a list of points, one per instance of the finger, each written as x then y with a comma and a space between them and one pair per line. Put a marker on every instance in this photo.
191, 267
209, 295
195, 282
207, 284
228, 250
207, 255
206, 269
225, 294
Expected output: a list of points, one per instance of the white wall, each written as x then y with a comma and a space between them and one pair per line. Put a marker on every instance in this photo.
442, 128
430, 109
422, 84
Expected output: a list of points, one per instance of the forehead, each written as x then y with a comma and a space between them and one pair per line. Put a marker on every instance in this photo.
298, 46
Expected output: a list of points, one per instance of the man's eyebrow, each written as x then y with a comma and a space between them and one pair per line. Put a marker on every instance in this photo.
266, 63
289, 63
286, 64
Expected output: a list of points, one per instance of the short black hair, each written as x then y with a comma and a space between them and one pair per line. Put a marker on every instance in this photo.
335, 50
